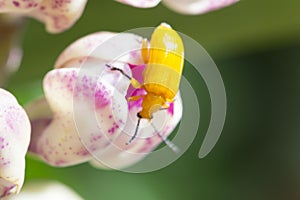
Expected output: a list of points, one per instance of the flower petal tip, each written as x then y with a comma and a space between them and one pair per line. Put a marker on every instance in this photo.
44, 189
58, 16
195, 7
140, 3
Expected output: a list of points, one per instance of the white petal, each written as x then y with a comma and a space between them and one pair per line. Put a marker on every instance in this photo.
57, 15
59, 143
14, 141
97, 45
46, 190
140, 3
195, 7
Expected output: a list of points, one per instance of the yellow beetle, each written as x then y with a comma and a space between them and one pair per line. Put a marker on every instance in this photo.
164, 58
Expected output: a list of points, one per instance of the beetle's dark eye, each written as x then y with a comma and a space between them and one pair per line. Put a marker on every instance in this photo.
139, 115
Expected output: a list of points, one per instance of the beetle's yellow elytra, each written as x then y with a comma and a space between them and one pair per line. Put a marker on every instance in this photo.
165, 63
166, 48
145, 50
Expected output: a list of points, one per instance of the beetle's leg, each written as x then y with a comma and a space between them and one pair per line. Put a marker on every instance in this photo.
170, 144
165, 107
167, 104
136, 130
170, 100
133, 81
145, 50
134, 98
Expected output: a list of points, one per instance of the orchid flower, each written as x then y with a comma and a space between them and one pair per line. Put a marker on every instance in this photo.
84, 114
14, 141
61, 137
57, 15
46, 190
192, 7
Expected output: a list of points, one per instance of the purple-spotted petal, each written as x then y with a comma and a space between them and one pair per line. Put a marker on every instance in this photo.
140, 3
46, 190
55, 138
194, 7
14, 141
18, 6
57, 15
59, 142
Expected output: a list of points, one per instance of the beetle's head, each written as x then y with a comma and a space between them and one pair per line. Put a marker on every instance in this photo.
151, 104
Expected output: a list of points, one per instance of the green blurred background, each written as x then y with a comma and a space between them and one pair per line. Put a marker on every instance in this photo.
256, 45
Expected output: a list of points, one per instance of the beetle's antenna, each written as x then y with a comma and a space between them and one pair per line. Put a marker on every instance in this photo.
135, 133
170, 144
118, 69
133, 81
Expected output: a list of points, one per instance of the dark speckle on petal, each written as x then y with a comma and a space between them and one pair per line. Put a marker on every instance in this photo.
16, 3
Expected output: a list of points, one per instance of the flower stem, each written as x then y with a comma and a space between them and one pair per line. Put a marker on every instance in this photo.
10, 53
